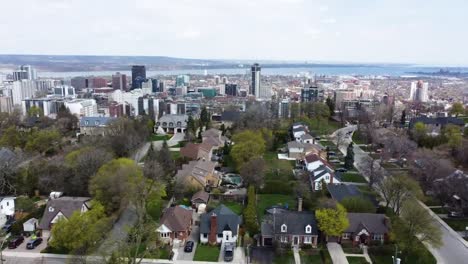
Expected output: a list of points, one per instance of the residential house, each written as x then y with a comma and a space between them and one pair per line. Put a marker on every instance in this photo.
176, 225
213, 137
195, 151
299, 130
198, 174
322, 174
219, 226
94, 126
295, 228
172, 124
365, 228
298, 150
312, 161
62, 208
200, 200
7, 206
434, 125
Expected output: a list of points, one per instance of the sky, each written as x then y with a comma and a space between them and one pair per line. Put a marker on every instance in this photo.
431, 32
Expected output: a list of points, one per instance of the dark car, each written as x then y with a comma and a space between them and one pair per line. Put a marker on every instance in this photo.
341, 170
34, 243
15, 242
188, 246
228, 253
7, 228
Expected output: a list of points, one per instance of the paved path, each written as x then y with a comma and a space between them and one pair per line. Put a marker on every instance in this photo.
337, 254
297, 257
453, 249
141, 152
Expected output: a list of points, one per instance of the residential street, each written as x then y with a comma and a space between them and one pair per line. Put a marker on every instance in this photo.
453, 250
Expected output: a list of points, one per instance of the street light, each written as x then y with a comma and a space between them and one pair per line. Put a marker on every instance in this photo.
396, 259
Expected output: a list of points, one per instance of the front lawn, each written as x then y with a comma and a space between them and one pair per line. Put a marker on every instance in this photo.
175, 155
357, 260
284, 258
324, 127
278, 169
352, 177
156, 137
266, 200
235, 207
383, 255
456, 224
206, 253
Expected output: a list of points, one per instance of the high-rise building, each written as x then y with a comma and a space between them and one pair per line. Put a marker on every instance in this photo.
138, 76
224, 80
79, 83
255, 85
21, 90
64, 91
6, 104
312, 93
119, 81
97, 82
162, 86
155, 83
419, 91
231, 89
283, 109
182, 80
217, 79
25, 72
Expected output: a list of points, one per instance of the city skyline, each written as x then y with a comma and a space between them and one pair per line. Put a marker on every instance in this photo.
420, 32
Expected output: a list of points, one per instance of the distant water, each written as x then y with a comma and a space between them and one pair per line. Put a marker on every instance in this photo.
319, 70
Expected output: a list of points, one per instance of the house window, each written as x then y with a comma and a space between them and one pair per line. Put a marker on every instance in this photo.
220, 235
164, 235
308, 229
345, 236
284, 239
7, 203
284, 228
307, 240
175, 235
51, 209
327, 178
377, 237
205, 235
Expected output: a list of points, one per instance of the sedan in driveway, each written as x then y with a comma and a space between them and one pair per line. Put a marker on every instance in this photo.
34, 243
188, 246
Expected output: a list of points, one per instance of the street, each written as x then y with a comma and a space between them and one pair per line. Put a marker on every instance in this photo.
453, 251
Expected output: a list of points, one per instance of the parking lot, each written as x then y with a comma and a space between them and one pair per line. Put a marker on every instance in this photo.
22, 247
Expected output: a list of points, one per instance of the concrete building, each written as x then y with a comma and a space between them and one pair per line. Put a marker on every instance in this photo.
48, 106
82, 107
6, 104
419, 91
119, 81
25, 72
64, 91
21, 90
182, 80
79, 83
230, 89
284, 109
255, 81
312, 93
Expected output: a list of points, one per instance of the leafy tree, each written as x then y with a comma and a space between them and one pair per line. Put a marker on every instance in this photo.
125, 134
358, 205
11, 138
332, 221
250, 212
349, 159
416, 225
81, 232
114, 183
454, 136
295, 110
24, 204
191, 130
35, 111
223, 129
419, 132
248, 145
457, 109
205, 117
164, 158
253, 172
397, 190
43, 140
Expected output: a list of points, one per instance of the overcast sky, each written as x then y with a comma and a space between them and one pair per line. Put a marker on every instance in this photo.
413, 31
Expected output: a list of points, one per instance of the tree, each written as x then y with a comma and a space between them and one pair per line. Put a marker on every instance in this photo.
35, 111
397, 146
397, 190
403, 118
250, 212
113, 183
24, 204
427, 166
457, 109
253, 172
125, 134
191, 130
358, 205
331, 105
416, 225
223, 129
295, 111
332, 221
12, 138
248, 145
43, 141
205, 117
419, 132
349, 158
454, 136
164, 157
66, 121
82, 231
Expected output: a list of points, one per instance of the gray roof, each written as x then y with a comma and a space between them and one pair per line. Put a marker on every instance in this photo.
323, 170
343, 191
437, 121
174, 119
226, 219
374, 223
306, 136
201, 195
95, 121
295, 222
6, 155
66, 205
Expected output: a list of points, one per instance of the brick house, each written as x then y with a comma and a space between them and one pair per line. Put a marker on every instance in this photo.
365, 228
176, 224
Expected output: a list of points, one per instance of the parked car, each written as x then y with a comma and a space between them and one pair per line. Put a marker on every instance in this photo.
341, 170
455, 214
15, 242
7, 228
228, 252
189, 246
34, 243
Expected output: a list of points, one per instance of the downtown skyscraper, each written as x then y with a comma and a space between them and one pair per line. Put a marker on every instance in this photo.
138, 76
255, 85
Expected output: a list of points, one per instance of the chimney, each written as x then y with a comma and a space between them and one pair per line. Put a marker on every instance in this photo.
299, 204
213, 229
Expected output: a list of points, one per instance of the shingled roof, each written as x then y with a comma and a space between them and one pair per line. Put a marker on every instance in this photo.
295, 222
65, 205
374, 223
226, 220
177, 218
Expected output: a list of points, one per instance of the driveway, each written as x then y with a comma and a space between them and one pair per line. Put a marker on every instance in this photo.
336, 253
22, 248
194, 236
452, 250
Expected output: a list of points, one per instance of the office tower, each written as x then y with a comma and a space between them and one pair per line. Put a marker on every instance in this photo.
312, 93
155, 84
162, 86
138, 76
79, 83
97, 82
182, 80
419, 91
6, 104
22, 90
224, 80
255, 85
217, 79
116, 109
82, 107
231, 89
25, 72
119, 81
64, 91
283, 109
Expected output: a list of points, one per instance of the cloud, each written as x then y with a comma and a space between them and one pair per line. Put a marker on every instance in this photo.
190, 34
323, 8
329, 20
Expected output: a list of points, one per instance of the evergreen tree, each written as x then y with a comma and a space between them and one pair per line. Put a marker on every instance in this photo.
403, 118
223, 129
349, 159
331, 105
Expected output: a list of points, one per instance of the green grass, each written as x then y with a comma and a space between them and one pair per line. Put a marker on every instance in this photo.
383, 255
206, 253
457, 224
266, 200
358, 138
309, 258
352, 177
324, 127
235, 207
175, 155
285, 258
327, 143
440, 210
357, 260
278, 169
155, 137
349, 249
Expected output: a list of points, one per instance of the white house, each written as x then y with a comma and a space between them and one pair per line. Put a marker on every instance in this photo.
7, 206
307, 138
313, 161
219, 226
322, 174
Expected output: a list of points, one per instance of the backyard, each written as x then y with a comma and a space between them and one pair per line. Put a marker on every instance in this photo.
206, 253
353, 176
266, 200
278, 169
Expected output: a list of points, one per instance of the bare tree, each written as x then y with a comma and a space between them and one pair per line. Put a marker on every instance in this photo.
398, 146
427, 166
253, 172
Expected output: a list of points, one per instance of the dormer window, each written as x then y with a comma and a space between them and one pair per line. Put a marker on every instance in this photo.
51, 209
284, 228
308, 229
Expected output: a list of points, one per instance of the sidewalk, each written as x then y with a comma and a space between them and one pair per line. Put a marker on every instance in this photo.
337, 254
